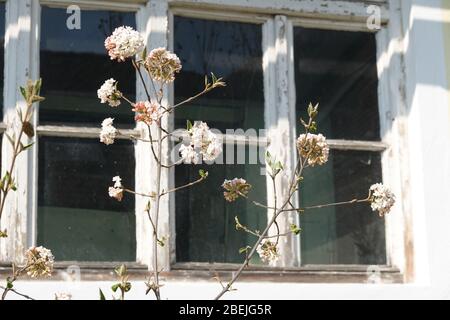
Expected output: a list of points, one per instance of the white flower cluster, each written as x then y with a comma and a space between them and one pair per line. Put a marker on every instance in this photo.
116, 191
63, 296
268, 251
235, 188
162, 65
108, 132
125, 42
381, 199
313, 147
108, 93
39, 262
203, 143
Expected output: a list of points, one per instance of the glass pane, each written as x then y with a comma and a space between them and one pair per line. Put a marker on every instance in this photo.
350, 234
205, 224
76, 217
230, 50
338, 70
2, 55
74, 64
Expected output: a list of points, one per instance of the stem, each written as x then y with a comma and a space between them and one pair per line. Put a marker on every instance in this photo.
335, 204
157, 206
13, 162
16, 292
263, 235
138, 69
138, 193
184, 186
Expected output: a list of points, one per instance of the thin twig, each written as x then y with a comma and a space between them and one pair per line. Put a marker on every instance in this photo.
16, 292
184, 186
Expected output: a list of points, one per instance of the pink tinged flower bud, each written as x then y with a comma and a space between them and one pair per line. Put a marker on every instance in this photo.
147, 112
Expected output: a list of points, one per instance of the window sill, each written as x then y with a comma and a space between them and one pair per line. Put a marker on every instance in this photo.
207, 271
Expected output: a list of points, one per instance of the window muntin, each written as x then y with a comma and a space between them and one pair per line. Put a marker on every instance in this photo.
232, 50
338, 70
74, 65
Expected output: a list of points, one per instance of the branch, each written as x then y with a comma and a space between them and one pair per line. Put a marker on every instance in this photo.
16, 292
184, 186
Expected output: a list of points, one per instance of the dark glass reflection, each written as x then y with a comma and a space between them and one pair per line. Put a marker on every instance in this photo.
351, 234
76, 217
74, 64
205, 225
2, 55
338, 70
230, 50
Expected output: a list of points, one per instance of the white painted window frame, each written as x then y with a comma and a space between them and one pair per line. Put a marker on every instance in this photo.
154, 19
279, 86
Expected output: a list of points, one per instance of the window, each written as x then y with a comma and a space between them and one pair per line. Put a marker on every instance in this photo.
337, 69
232, 50
76, 217
274, 59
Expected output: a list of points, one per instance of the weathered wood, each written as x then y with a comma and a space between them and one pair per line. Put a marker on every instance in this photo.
118, 5
83, 132
318, 9
21, 64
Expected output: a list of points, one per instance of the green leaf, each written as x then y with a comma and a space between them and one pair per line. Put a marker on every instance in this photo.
162, 241
188, 125
203, 174
3, 234
37, 86
9, 284
121, 270
239, 226
102, 296
37, 98
115, 287
148, 206
244, 249
23, 91
144, 54
27, 146
268, 158
295, 229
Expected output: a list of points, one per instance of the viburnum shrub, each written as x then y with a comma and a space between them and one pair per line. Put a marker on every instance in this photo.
199, 144
39, 260
312, 151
